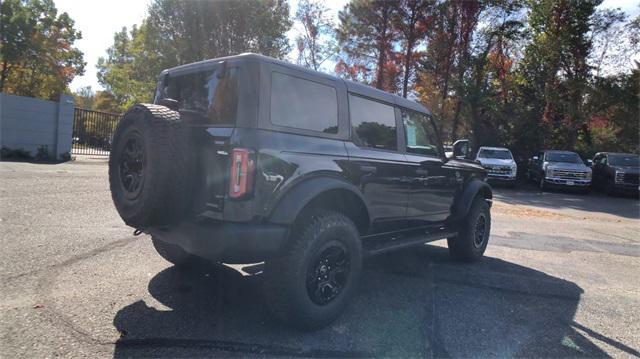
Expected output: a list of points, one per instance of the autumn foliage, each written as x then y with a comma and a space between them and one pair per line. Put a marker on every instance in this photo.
517, 73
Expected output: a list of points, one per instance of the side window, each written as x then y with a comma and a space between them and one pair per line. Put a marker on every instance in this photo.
419, 134
374, 123
541, 157
206, 96
303, 104
604, 160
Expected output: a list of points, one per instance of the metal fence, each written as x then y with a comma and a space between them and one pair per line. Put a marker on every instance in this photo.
93, 132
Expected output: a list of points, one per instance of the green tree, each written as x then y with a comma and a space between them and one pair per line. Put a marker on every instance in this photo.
486, 92
37, 54
412, 21
615, 42
129, 72
84, 97
366, 36
614, 109
555, 70
446, 62
180, 31
315, 43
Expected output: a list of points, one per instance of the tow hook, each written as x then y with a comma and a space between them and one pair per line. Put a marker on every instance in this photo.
137, 232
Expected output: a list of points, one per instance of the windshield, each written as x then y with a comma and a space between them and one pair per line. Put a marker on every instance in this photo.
563, 157
499, 154
624, 160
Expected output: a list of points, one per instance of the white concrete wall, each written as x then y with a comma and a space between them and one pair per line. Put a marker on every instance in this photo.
28, 123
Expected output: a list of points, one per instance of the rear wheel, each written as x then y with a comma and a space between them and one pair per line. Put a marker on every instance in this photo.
472, 239
311, 281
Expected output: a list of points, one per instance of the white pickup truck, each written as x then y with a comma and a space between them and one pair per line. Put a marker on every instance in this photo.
499, 163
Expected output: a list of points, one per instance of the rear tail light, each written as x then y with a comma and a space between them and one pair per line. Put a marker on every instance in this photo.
242, 168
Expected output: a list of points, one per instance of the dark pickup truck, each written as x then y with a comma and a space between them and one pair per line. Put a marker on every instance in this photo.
616, 172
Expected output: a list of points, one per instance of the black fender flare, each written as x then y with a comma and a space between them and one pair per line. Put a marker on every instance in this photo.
468, 194
293, 201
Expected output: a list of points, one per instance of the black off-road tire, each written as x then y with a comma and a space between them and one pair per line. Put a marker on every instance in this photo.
466, 246
173, 253
155, 141
289, 296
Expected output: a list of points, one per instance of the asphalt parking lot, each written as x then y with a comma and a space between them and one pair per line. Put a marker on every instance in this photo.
561, 277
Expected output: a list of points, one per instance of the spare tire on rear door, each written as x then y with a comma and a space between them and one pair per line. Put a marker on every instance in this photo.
149, 166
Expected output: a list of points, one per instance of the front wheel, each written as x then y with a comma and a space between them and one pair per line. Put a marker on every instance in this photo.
542, 184
309, 283
472, 239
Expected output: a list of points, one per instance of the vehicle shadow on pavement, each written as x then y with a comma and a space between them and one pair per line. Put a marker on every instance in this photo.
411, 303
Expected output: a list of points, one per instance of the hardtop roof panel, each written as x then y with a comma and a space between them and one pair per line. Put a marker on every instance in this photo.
354, 87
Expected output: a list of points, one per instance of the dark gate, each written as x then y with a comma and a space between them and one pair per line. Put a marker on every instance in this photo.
93, 131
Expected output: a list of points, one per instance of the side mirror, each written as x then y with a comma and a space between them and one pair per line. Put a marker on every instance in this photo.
461, 149
589, 163
170, 103
535, 158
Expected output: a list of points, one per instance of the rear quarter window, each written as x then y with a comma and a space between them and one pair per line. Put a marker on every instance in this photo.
303, 104
206, 96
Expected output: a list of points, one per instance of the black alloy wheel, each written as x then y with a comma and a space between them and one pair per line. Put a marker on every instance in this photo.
132, 163
328, 273
312, 278
480, 230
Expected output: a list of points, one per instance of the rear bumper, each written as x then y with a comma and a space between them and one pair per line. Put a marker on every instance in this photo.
224, 242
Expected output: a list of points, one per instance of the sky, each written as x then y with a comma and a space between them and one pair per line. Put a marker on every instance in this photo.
99, 20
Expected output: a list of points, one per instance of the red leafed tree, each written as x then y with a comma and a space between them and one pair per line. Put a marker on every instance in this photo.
366, 37
315, 44
449, 36
412, 20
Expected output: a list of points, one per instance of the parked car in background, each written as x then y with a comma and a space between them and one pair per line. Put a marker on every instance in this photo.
499, 163
559, 169
616, 172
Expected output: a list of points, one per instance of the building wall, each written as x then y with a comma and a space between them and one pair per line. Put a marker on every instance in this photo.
29, 123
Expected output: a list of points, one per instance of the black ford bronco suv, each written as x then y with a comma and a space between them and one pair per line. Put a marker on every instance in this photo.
248, 159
